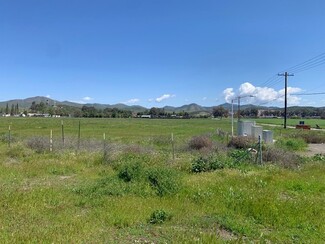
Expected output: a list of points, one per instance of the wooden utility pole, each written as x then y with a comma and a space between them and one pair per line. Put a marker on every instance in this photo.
285, 74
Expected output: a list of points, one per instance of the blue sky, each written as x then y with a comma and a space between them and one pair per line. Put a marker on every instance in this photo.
157, 53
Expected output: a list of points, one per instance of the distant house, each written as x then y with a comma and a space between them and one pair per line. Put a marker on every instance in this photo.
146, 116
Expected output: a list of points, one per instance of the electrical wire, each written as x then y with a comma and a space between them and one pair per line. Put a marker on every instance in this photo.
301, 67
309, 94
309, 62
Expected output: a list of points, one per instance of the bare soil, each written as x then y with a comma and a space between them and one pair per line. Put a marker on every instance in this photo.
315, 149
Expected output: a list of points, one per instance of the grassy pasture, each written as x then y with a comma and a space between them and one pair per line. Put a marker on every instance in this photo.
117, 129
77, 197
292, 122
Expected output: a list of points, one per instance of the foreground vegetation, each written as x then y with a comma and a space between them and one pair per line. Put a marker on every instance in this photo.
130, 189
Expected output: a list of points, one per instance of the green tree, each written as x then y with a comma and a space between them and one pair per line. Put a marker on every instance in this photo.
17, 109
12, 111
33, 107
220, 112
7, 109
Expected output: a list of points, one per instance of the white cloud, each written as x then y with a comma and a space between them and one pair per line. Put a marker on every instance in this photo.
229, 94
132, 101
83, 100
204, 98
164, 97
48, 96
150, 100
262, 94
87, 99
246, 89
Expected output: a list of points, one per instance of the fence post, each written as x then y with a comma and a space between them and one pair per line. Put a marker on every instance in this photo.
104, 147
173, 146
79, 136
51, 141
260, 149
9, 136
62, 132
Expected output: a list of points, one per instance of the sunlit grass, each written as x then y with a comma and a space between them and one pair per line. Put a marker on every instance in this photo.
71, 196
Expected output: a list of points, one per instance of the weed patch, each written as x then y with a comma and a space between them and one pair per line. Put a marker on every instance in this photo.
159, 217
211, 163
164, 181
131, 171
291, 144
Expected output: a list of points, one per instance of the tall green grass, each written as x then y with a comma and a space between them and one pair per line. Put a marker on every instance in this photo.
146, 196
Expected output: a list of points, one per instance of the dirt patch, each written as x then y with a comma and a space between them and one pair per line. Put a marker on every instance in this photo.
315, 149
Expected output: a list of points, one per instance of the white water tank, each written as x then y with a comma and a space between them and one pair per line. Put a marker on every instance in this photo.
257, 131
244, 128
268, 136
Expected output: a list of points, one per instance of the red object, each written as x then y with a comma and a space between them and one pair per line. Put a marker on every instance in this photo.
303, 127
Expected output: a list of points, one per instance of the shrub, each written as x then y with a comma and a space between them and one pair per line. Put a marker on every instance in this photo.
38, 144
281, 157
319, 157
242, 142
164, 181
159, 217
211, 163
200, 142
311, 136
130, 171
240, 154
200, 164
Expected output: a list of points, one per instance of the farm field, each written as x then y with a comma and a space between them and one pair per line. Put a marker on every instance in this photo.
132, 189
293, 122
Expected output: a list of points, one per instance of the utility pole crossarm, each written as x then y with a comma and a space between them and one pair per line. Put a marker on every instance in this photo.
285, 74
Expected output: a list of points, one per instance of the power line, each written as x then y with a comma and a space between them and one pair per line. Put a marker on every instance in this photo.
310, 66
310, 94
298, 68
308, 62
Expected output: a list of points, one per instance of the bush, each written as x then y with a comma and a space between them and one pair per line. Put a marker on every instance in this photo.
240, 154
242, 142
281, 157
130, 171
159, 217
200, 164
319, 157
311, 136
38, 144
211, 163
164, 181
200, 142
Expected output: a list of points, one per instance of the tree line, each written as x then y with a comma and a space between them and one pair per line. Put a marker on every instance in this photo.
87, 111
293, 112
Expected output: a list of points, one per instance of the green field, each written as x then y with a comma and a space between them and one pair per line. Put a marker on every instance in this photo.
293, 122
117, 129
133, 191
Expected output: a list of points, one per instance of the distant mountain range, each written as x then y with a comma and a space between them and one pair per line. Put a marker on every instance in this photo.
189, 108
